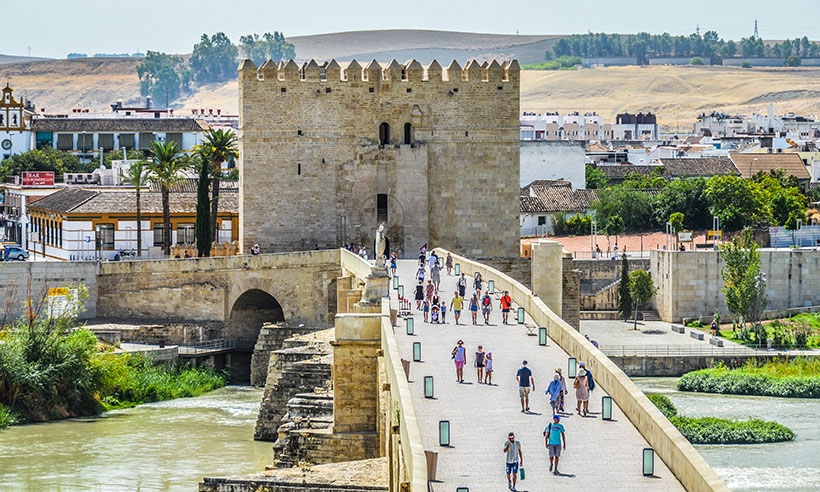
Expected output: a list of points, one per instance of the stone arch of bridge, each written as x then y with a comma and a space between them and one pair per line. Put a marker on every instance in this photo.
251, 304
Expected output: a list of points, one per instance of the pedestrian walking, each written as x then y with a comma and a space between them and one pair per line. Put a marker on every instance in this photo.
488, 369
590, 380
425, 308
433, 260
434, 315
525, 383
429, 290
486, 306
462, 285
393, 264
477, 282
512, 449
444, 312
420, 274
479, 364
506, 304
560, 374
474, 308
553, 435
582, 392
419, 294
448, 262
436, 300
554, 393
456, 304
459, 356
422, 255
435, 274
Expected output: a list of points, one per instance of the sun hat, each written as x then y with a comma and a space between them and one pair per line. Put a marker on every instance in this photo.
558, 369
582, 373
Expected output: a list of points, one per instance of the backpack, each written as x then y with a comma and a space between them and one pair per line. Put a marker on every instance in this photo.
486, 300
590, 381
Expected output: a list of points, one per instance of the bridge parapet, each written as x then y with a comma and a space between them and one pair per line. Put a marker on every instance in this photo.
676, 452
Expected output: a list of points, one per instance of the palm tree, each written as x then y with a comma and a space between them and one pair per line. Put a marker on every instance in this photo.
220, 146
137, 176
166, 167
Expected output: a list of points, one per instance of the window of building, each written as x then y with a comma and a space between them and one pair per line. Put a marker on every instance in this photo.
105, 236
174, 137
106, 141
381, 208
127, 140
185, 233
146, 141
408, 133
159, 233
85, 142
65, 141
542, 220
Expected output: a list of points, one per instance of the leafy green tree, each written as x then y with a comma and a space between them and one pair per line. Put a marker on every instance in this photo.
786, 202
116, 155
729, 49
624, 297
792, 61
697, 61
220, 146
687, 197
794, 221
738, 202
676, 223
166, 169
268, 47
162, 76
138, 176
46, 159
633, 206
652, 181
744, 285
214, 59
641, 288
613, 226
595, 178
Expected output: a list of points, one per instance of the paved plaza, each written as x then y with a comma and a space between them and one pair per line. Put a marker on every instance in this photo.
617, 333
600, 455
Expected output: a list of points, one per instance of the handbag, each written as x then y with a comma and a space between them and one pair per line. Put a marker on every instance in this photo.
521, 473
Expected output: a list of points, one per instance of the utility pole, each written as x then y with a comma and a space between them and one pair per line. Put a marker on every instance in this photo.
756, 35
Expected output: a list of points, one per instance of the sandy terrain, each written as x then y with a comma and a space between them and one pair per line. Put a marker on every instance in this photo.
579, 246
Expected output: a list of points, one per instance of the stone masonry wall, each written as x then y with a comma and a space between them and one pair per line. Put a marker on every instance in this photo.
271, 338
314, 138
571, 298
20, 280
689, 282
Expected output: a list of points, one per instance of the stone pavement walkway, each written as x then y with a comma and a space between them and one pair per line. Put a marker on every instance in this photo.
600, 455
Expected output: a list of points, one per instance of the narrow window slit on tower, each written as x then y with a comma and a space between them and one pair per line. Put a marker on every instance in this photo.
381, 208
299, 169
283, 89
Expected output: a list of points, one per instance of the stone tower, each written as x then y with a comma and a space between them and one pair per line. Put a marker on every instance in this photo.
327, 154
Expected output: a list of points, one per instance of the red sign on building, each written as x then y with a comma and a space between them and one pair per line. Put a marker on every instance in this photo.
38, 178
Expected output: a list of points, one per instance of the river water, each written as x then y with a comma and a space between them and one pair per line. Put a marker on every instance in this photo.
163, 446
788, 466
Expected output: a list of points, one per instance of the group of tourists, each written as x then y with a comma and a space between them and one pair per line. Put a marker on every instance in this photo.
483, 363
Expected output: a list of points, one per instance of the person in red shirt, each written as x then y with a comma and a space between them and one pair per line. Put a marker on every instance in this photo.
506, 305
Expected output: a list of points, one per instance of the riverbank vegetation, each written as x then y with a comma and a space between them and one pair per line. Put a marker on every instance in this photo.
796, 378
50, 371
711, 430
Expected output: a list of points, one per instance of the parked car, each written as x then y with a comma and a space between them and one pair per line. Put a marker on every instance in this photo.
14, 252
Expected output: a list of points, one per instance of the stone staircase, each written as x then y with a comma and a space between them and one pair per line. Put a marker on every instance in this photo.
650, 315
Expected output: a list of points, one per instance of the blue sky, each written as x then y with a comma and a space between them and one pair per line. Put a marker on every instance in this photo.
55, 27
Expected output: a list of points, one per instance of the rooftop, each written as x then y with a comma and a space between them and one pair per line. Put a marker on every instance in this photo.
754, 163
84, 201
118, 125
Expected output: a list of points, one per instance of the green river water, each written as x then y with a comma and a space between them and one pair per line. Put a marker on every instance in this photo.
164, 446
788, 466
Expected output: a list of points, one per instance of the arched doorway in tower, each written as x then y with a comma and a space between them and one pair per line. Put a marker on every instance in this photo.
384, 134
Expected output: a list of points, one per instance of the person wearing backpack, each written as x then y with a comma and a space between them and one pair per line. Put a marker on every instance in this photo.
486, 306
590, 381
506, 304
553, 435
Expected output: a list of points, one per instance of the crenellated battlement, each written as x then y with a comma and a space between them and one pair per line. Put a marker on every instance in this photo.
410, 71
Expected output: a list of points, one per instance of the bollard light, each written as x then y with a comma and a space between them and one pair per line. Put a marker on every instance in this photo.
427, 255
520, 316
428, 386
571, 367
606, 407
542, 335
440, 262
443, 432
648, 462
458, 268
409, 324
491, 286
401, 291
416, 351
462, 489
395, 282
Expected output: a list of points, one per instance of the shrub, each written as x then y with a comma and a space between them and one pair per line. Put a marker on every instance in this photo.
711, 430
798, 378
746, 64
663, 403
697, 61
7, 417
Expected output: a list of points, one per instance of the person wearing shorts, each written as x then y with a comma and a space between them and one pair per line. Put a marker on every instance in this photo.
486, 306
479, 364
506, 304
456, 304
474, 308
553, 435
488, 369
459, 354
525, 383
512, 449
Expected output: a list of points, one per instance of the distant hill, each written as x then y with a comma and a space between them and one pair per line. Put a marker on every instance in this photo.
674, 93
18, 59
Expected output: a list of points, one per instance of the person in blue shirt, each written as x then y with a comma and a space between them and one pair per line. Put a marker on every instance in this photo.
553, 435
525, 383
554, 393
